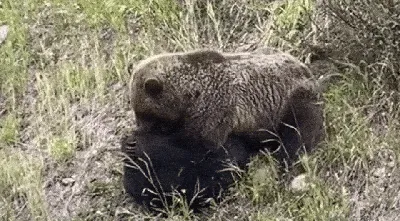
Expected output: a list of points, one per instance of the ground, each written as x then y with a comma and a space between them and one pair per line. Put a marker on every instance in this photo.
64, 108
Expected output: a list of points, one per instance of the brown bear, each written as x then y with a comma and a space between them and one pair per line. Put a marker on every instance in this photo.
215, 94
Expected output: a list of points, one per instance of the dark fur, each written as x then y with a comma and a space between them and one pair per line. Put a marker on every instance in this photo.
302, 126
176, 164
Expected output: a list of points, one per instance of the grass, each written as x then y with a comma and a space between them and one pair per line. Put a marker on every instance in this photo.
63, 75
9, 129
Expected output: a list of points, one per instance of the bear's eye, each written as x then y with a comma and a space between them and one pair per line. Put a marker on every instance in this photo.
196, 94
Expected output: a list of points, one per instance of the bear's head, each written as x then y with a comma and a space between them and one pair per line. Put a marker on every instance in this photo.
158, 84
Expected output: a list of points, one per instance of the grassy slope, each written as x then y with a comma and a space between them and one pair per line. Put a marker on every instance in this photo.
63, 110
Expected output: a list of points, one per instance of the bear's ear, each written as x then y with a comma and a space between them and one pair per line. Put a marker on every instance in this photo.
153, 86
205, 55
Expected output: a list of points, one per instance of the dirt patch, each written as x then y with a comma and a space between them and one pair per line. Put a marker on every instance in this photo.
95, 169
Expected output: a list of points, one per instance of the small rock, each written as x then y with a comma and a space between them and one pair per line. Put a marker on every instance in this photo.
380, 172
3, 33
299, 183
67, 181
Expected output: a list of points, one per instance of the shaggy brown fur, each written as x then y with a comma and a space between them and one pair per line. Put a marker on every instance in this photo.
215, 94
